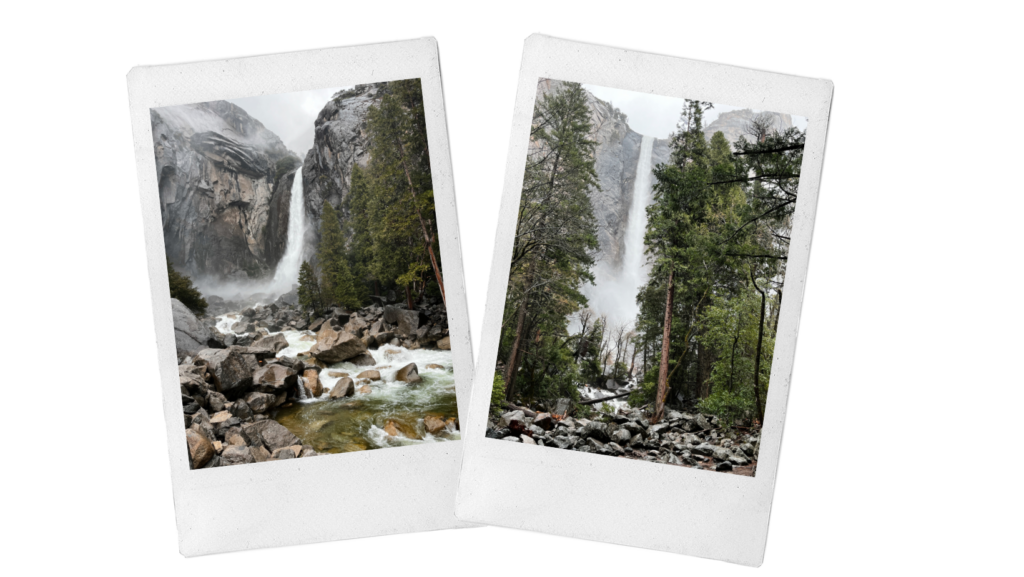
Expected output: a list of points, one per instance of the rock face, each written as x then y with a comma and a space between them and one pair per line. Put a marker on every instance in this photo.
223, 178
339, 142
733, 124
190, 335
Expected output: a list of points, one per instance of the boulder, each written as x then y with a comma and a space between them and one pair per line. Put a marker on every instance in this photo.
230, 371
528, 440
621, 436
445, 343
283, 453
363, 360
409, 374
336, 374
372, 375
512, 416
435, 366
241, 410
365, 390
433, 424
544, 421
200, 449
273, 379
595, 430
260, 402
335, 347
236, 455
190, 335
724, 466
274, 435
391, 429
407, 321
269, 346
345, 387
562, 406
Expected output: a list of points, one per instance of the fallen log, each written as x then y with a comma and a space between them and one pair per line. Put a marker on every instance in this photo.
595, 401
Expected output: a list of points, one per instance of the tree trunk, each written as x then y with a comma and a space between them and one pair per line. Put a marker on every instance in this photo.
408, 298
376, 287
666, 335
513, 357
428, 239
757, 358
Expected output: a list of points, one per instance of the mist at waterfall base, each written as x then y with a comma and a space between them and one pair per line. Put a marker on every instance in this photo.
286, 275
358, 423
613, 294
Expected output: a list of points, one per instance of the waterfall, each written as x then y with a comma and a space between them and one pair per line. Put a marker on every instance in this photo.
302, 388
287, 272
634, 268
614, 291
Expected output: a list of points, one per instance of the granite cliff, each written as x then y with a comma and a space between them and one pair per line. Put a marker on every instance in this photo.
224, 183
340, 141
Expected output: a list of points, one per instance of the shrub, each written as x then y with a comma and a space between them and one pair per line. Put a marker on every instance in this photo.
728, 406
182, 289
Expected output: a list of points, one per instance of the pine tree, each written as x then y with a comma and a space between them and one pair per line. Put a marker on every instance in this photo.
335, 278
182, 289
556, 238
402, 185
310, 296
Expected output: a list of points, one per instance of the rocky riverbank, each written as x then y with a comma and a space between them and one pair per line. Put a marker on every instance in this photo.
683, 439
264, 383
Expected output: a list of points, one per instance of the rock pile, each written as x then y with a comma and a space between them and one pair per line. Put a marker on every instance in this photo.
231, 385
691, 440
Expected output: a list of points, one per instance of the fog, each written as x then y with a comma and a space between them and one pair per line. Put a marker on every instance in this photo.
289, 115
656, 115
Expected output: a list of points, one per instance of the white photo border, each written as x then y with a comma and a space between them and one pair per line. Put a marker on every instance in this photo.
398, 490
676, 509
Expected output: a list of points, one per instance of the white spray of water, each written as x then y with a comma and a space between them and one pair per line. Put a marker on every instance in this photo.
614, 292
287, 272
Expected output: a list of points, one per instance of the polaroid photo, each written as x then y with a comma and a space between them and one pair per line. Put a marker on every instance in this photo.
644, 300
308, 293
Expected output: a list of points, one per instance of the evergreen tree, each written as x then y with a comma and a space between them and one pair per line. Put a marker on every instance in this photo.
556, 238
335, 278
182, 289
403, 189
310, 296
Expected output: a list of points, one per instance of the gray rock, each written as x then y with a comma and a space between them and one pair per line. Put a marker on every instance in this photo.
230, 370
190, 335
508, 418
596, 430
236, 455
409, 374
335, 347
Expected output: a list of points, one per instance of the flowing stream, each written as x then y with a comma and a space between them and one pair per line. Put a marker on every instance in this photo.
358, 423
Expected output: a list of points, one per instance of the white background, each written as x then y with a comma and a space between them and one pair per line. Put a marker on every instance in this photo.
902, 450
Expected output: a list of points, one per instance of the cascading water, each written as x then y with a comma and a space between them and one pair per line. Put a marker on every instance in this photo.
614, 292
287, 272
634, 266
613, 295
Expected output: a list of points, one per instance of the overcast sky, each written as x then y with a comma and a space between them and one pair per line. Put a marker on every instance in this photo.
290, 115
657, 116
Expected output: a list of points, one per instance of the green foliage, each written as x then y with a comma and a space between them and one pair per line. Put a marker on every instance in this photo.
335, 278
729, 406
310, 296
395, 197
556, 238
182, 289
498, 395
